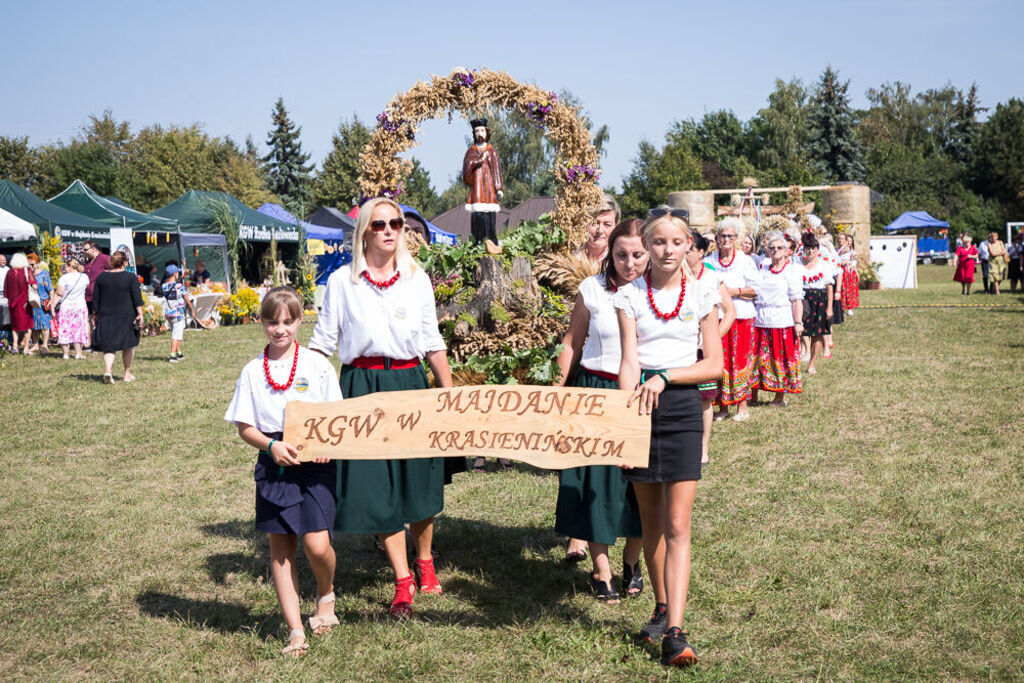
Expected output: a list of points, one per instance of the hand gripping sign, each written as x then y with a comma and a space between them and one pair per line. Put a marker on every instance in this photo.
549, 427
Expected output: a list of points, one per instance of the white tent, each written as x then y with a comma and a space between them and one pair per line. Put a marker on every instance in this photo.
14, 228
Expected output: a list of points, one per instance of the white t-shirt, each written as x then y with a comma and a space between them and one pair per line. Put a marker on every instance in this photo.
255, 403
74, 285
601, 351
664, 344
3, 276
359, 319
983, 250
820, 275
741, 272
776, 293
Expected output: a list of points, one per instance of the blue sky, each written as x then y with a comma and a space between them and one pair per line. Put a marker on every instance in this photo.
637, 66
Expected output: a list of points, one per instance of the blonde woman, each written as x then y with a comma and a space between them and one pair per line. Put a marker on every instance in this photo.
997, 259
605, 218
664, 320
71, 309
378, 313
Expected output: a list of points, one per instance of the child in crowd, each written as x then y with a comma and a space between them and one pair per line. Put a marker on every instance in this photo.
292, 499
176, 299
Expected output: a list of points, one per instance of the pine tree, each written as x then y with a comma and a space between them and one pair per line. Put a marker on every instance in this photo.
287, 173
831, 138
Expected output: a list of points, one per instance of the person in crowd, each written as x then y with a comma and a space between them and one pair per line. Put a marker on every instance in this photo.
176, 300
42, 315
604, 218
117, 316
850, 297
200, 275
596, 504
998, 260
17, 282
379, 313
1016, 255
963, 264
98, 262
145, 270
711, 285
818, 276
663, 321
5, 311
779, 322
828, 253
293, 499
71, 309
983, 261
738, 274
745, 243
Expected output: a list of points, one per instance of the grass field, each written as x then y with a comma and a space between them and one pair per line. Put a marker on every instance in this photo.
872, 530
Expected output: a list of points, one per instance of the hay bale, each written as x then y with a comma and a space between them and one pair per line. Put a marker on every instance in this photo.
850, 206
700, 204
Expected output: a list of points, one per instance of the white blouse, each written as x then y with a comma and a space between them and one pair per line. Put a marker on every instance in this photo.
664, 344
741, 272
256, 404
601, 351
359, 319
820, 275
74, 285
776, 293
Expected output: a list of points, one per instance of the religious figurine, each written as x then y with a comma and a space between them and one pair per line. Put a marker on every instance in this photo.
481, 172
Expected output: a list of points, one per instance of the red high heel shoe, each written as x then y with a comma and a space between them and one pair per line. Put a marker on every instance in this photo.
405, 589
426, 577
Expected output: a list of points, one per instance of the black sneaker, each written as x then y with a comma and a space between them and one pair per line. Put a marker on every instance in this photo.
181, 356
655, 628
172, 359
675, 651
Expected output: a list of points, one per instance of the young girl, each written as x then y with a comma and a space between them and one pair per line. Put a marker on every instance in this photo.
818, 277
596, 504
292, 499
662, 319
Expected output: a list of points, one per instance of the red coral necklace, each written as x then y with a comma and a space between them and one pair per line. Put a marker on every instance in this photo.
772, 268
679, 304
266, 369
701, 273
383, 284
726, 265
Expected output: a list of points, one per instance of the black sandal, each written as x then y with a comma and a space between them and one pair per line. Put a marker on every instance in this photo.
576, 556
604, 592
632, 580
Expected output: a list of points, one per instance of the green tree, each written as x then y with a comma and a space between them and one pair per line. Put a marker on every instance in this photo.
419, 193
831, 138
776, 139
1000, 152
16, 160
717, 138
656, 173
337, 183
285, 165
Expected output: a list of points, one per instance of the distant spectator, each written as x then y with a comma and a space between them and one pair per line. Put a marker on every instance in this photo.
145, 270
998, 258
1016, 254
963, 263
983, 262
16, 285
200, 276
176, 299
98, 262
42, 316
117, 311
72, 312
5, 312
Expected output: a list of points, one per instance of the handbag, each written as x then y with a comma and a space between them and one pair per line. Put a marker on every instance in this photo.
33, 293
1006, 257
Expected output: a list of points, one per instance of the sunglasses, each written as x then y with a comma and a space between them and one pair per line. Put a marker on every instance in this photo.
675, 213
777, 248
395, 223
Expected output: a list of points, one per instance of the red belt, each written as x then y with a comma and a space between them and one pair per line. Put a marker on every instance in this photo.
384, 363
605, 375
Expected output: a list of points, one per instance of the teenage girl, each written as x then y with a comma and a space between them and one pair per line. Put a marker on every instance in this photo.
663, 321
292, 499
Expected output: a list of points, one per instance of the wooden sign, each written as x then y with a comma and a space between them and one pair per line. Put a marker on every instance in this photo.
549, 427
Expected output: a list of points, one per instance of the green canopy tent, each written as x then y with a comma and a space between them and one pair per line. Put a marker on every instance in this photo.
195, 211
54, 219
163, 241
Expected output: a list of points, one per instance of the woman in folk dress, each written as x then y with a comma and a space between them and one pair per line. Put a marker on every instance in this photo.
779, 322
379, 314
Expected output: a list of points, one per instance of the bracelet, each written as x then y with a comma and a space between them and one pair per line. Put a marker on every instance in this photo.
661, 373
270, 445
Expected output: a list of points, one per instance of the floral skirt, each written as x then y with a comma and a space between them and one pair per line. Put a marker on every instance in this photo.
73, 324
851, 292
816, 319
738, 356
778, 360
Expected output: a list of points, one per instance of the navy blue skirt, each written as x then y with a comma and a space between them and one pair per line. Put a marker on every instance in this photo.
294, 500
676, 432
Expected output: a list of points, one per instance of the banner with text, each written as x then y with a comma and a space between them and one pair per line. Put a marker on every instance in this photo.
548, 427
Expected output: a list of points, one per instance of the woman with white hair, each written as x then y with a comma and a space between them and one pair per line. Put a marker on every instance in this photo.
17, 282
779, 322
379, 314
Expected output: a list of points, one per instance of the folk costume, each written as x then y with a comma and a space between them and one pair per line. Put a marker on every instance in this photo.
300, 498
481, 172
710, 280
676, 426
381, 330
850, 297
738, 343
596, 503
778, 352
816, 280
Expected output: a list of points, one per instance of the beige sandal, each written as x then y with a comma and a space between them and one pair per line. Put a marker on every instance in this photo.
323, 625
298, 649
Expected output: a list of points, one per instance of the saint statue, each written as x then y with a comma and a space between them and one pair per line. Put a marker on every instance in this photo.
481, 172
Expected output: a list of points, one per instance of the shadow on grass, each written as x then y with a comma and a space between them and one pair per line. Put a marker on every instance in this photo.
208, 614
96, 377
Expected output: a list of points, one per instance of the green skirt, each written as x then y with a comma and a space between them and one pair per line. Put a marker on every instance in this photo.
382, 496
595, 503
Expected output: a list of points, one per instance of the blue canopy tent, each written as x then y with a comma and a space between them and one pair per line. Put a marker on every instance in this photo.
334, 255
931, 244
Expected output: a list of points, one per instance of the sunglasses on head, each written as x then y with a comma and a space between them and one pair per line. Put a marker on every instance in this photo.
675, 213
395, 223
